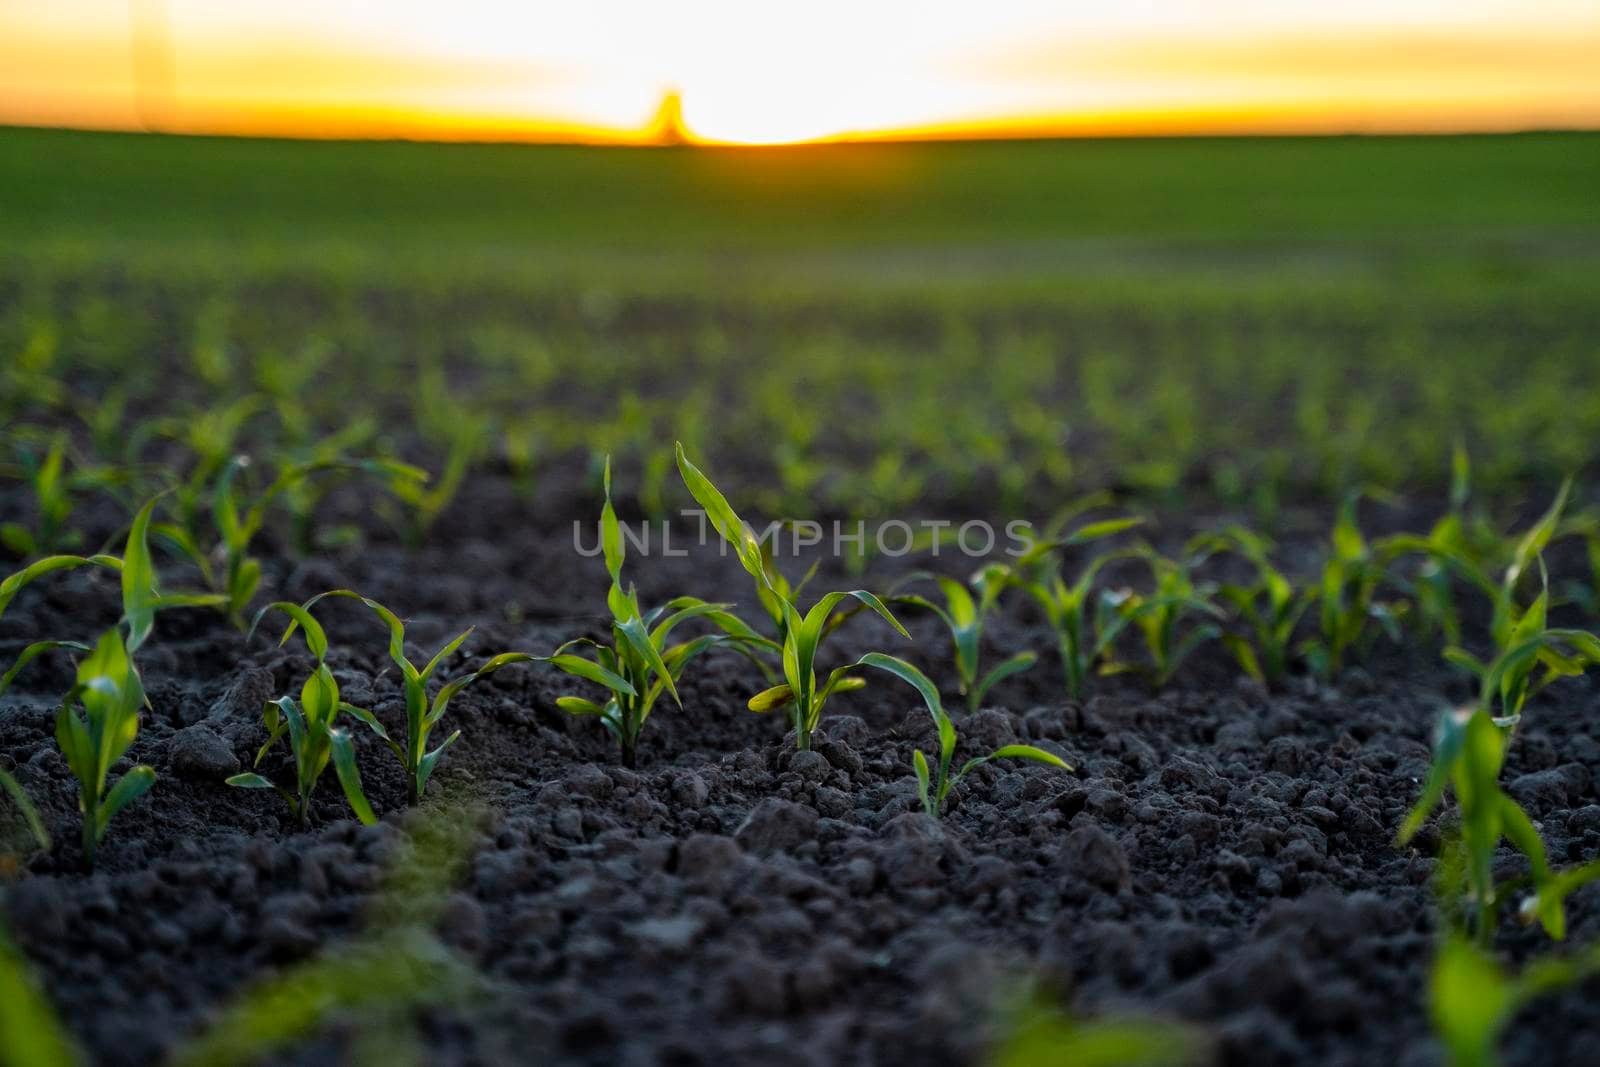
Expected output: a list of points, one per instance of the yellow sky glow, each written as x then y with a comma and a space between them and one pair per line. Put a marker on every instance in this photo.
761, 73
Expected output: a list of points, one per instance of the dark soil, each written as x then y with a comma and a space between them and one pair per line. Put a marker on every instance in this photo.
1221, 854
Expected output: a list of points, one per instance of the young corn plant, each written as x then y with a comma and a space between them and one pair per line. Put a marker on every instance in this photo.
141, 598
1269, 607
100, 717
423, 501
801, 633
97, 722
964, 617
1472, 998
228, 568
211, 435
1161, 615
1525, 643
52, 496
1469, 751
1461, 544
312, 729
26, 809
640, 664
933, 787
1083, 636
1522, 638
423, 714
1347, 596
38, 569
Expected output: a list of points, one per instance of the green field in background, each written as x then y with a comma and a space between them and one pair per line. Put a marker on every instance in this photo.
867, 323
60, 187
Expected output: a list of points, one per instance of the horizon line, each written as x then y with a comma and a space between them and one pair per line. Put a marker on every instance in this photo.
1003, 131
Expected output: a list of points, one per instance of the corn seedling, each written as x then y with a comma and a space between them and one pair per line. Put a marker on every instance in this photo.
802, 633
228, 568
310, 725
964, 617
1523, 640
14, 583
141, 598
26, 809
1460, 544
212, 436
1469, 751
424, 501
302, 497
1472, 997
52, 497
1160, 616
1082, 637
934, 787
639, 664
96, 724
1526, 644
422, 713
1269, 607
1347, 596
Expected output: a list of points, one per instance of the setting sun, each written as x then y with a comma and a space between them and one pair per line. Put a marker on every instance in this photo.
757, 74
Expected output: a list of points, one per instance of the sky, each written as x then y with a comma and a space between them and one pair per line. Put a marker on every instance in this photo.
758, 71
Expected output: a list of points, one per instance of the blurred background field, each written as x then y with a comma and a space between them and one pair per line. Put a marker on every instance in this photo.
866, 326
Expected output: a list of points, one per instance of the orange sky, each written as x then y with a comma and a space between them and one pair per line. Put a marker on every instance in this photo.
753, 72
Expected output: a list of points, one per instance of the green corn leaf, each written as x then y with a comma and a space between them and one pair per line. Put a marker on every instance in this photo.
611, 533
72, 736
139, 593
33, 652
770, 699
695, 609
370, 721
31, 1033
249, 780
1245, 655
1014, 665
1451, 739
1537, 538
431, 760
441, 703
1029, 752
579, 706
39, 568
396, 628
444, 653
349, 775
319, 697
914, 601
299, 731
1460, 657
1469, 999
131, 786
588, 669
300, 618
1094, 531
638, 639
30, 814
723, 518
963, 612
274, 713
1052, 1040
919, 765
725, 620
930, 697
